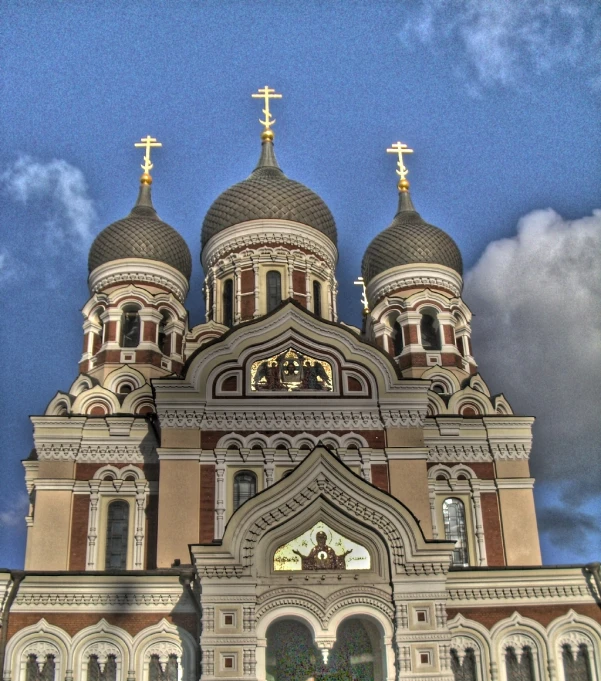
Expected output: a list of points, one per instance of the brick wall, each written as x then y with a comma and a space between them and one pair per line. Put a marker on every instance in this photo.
79, 531
492, 529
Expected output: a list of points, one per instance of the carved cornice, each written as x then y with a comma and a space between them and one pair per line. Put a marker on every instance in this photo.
452, 453
289, 420
258, 233
97, 453
86, 600
510, 451
413, 276
139, 270
530, 593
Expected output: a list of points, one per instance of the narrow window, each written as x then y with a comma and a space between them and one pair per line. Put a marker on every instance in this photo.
164, 338
228, 302
397, 338
464, 670
317, 298
430, 332
576, 668
130, 328
37, 670
274, 290
245, 487
117, 526
453, 513
519, 668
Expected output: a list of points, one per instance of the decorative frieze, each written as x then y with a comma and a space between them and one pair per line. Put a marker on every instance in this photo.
508, 451
97, 453
459, 452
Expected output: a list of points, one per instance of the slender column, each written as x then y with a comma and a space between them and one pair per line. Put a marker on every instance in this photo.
214, 288
331, 283
334, 299
93, 525
308, 286
478, 523
432, 498
269, 455
219, 493
238, 290
290, 266
140, 525
261, 670
205, 290
257, 301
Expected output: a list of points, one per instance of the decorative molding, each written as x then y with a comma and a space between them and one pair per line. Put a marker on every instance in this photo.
508, 451
530, 593
97, 453
94, 600
139, 270
413, 276
461, 452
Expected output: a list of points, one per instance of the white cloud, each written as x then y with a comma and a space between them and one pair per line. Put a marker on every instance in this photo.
71, 211
536, 299
503, 41
15, 515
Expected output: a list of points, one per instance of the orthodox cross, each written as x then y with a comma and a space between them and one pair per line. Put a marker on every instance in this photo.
266, 93
361, 282
147, 142
400, 149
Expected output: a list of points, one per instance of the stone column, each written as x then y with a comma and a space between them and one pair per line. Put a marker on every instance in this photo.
140, 524
219, 492
92, 552
478, 522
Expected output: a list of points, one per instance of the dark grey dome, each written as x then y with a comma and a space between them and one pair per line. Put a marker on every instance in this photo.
142, 234
409, 240
268, 195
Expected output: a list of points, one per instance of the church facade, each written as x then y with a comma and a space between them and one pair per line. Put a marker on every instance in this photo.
274, 495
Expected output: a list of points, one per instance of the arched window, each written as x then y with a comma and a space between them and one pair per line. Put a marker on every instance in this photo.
453, 512
107, 671
576, 663
274, 290
164, 338
228, 302
130, 327
245, 487
519, 665
464, 669
430, 331
397, 338
166, 671
317, 298
40, 667
117, 531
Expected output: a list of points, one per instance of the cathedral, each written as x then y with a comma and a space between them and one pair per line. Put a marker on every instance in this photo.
273, 494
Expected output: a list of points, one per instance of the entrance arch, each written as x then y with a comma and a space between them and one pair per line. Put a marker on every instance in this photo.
291, 653
359, 651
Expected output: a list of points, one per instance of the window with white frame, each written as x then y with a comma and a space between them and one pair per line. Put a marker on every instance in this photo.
245, 487
453, 513
40, 661
117, 535
575, 657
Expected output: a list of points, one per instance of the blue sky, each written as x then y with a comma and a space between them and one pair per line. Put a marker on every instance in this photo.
500, 101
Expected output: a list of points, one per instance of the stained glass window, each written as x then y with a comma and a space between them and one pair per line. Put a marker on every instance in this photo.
117, 527
274, 290
245, 487
453, 512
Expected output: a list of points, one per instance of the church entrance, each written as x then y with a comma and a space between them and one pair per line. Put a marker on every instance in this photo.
291, 654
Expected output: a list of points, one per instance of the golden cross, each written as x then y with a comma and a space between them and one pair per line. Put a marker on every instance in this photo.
400, 149
266, 93
361, 282
147, 142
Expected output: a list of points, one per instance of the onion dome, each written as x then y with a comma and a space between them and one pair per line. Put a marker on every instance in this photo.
267, 194
408, 240
142, 234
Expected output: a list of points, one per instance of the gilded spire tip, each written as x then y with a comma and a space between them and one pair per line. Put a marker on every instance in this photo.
266, 93
399, 148
147, 142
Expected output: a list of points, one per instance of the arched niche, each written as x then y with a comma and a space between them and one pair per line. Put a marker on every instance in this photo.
340, 525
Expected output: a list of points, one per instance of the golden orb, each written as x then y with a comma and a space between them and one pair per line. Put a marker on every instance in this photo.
146, 179
403, 185
267, 135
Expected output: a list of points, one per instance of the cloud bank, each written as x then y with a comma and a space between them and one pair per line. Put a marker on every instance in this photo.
504, 41
15, 515
537, 337
67, 216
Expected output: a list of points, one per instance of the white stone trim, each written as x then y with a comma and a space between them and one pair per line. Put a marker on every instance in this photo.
139, 270
413, 275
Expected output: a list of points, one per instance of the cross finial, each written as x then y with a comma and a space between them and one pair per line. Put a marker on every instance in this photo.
361, 282
267, 93
148, 142
399, 148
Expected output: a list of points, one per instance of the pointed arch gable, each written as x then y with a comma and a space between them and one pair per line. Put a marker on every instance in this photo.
37, 635
322, 483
